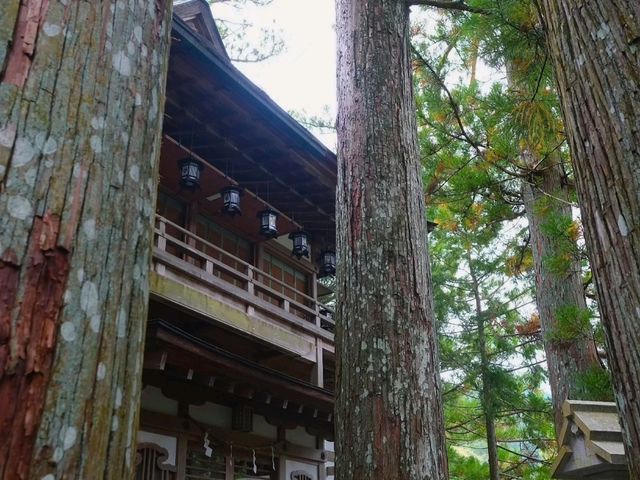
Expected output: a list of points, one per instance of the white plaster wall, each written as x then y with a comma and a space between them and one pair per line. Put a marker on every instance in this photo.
294, 465
299, 436
153, 400
211, 414
170, 444
261, 427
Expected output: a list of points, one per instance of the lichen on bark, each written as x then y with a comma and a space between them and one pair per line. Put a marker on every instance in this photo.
81, 96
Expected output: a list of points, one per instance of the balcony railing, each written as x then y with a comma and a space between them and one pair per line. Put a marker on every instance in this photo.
259, 289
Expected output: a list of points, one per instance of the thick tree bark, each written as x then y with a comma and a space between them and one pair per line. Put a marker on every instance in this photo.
81, 99
388, 401
595, 47
545, 196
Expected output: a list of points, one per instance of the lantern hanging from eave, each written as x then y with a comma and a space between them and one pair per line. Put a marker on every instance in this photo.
300, 240
327, 262
190, 169
268, 223
231, 200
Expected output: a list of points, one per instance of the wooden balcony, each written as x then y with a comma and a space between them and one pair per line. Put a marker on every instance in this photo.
207, 281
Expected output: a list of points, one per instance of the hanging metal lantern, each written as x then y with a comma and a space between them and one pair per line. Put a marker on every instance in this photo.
268, 226
231, 200
190, 169
327, 261
300, 241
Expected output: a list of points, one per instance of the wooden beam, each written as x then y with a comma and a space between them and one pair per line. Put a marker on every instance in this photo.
197, 394
214, 360
318, 369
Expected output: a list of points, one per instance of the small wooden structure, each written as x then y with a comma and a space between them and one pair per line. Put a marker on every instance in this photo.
590, 443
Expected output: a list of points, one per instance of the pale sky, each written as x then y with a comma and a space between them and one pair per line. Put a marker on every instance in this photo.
303, 77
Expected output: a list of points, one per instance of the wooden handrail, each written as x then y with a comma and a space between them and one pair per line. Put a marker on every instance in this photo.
252, 277
189, 248
195, 237
247, 265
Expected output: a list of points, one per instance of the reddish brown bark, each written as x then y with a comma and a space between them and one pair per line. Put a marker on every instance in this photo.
595, 48
388, 399
25, 367
545, 196
81, 96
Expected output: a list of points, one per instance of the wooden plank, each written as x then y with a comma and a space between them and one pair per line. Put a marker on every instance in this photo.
240, 294
318, 368
188, 427
247, 371
212, 310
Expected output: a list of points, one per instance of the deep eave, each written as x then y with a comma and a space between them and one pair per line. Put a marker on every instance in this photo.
270, 108
220, 115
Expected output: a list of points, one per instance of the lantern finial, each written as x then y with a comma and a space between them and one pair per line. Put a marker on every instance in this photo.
268, 225
231, 200
300, 241
327, 262
190, 169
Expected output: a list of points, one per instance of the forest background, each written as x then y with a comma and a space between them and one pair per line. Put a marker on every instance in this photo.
498, 183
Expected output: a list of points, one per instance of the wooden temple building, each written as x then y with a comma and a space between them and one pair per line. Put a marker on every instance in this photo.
239, 358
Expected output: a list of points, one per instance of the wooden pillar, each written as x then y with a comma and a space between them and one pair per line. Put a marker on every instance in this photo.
190, 224
318, 370
314, 294
250, 290
228, 461
257, 262
181, 457
162, 243
282, 463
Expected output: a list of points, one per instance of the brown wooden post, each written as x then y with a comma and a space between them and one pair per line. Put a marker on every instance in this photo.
229, 473
318, 369
250, 290
162, 244
181, 457
191, 226
314, 294
162, 241
259, 256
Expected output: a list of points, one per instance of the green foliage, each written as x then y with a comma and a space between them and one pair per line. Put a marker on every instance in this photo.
243, 40
571, 322
595, 385
464, 465
467, 256
472, 137
564, 231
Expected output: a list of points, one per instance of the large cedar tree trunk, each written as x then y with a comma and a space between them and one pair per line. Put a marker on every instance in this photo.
388, 404
81, 99
595, 48
558, 293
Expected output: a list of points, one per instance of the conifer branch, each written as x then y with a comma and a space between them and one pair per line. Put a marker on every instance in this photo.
455, 5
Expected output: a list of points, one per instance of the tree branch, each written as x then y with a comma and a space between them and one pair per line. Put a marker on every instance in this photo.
455, 5
523, 455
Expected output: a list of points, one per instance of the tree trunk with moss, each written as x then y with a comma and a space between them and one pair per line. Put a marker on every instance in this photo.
81, 99
572, 359
595, 48
388, 400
